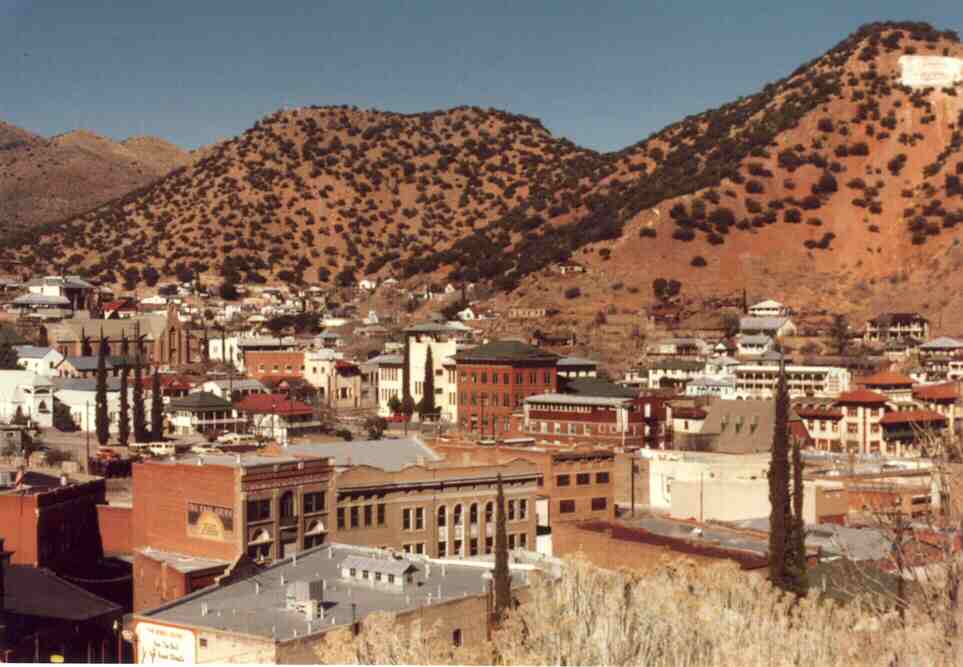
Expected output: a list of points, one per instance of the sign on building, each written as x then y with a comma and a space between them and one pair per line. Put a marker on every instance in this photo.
935, 71
164, 645
210, 522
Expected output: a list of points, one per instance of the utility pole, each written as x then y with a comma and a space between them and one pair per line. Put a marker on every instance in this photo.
632, 480
87, 432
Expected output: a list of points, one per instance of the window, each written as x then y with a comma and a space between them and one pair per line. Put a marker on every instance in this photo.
420, 518
391, 578
511, 541
484, 378
489, 512
599, 504
442, 549
522, 541
562, 480
381, 514
473, 546
473, 514
547, 375
377, 576
583, 478
442, 518
354, 517
258, 510
489, 545
313, 541
420, 548
364, 574
566, 506
340, 518
852, 428
313, 502
456, 637
287, 505
518, 378
511, 510
601, 478
367, 515
457, 548
406, 518
456, 519
522, 510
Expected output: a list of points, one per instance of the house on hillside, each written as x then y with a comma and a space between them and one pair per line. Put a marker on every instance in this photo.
888, 326
774, 327
768, 308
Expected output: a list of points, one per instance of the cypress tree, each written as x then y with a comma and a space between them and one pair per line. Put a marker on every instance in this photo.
156, 409
797, 536
427, 406
9, 359
140, 426
123, 427
100, 415
779, 488
501, 575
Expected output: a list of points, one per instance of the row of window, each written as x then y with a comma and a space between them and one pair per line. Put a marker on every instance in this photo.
582, 479
579, 429
259, 509
482, 378
515, 541
569, 506
354, 515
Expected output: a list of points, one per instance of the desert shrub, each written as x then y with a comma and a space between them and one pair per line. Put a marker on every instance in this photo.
573, 293
698, 261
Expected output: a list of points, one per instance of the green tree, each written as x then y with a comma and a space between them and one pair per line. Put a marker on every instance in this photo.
123, 427
426, 408
156, 409
102, 419
407, 409
140, 423
787, 555
375, 426
501, 576
839, 334
9, 359
394, 405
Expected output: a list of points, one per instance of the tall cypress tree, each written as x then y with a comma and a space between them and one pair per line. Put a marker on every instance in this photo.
501, 575
101, 415
797, 536
156, 409
123, 427
427, 406
779, 488
140, 426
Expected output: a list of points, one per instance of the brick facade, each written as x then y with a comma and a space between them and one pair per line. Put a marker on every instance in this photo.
274, 364
116, 529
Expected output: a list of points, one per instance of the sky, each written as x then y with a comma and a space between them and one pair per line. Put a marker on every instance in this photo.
602, 74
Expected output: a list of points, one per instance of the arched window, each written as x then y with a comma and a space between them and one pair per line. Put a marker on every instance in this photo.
442, 516
473, 514
287, 504
457, 515
489, 512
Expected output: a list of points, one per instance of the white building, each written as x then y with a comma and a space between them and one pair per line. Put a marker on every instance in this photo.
774, 327
753, 345
445, 380
704, 385
27, 393
80, 397
668, 467
390, 382
758, 380
768, 308
40, 360
239, 387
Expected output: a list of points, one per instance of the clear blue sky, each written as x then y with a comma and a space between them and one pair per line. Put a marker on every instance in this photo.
603, 74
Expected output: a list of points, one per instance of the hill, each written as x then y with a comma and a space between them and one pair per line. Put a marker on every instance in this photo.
837, 186
44, 180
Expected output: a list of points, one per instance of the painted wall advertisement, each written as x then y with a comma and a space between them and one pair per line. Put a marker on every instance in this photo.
935, 71
164, 645
210, 522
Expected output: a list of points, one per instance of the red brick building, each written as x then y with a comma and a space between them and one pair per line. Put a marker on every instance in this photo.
46, 524
495, 378
599, 420
274, 364
193, 518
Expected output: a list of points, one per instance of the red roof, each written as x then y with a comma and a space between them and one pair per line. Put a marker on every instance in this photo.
887, 378
818, 413
911, 416
936, 392
861, 396
277, 404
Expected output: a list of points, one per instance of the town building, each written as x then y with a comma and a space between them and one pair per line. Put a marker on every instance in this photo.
339, 382
277, 417
233, 348
862, 412
40, 360
232, 389
80, 398
768, 308
774, 327
202, 412
888, 326
943, 399
738, 427
192, 518
284, 613
672, 372
575, 367
74, 289
612, 421
390, 384
894, 386
493, 380
274, 364
444, 341
753, 345
27, 395
758, 380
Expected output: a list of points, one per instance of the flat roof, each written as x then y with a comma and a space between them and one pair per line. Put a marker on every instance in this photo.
181, 562
570, 399
257, 605
387, 454
229, 460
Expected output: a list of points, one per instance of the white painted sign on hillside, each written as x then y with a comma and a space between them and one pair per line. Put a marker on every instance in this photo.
935, 71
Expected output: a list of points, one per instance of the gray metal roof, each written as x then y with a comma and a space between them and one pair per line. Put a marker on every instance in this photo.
230, 460
38, 592
568, 399
201, 400
576, 361
182, 562
41, 300
761, 323
387, 359
257, 605
389, 455
942, 343
32, 351
394, 566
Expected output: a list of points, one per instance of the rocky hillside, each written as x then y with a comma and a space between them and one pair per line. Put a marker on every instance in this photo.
44, 180
836, 186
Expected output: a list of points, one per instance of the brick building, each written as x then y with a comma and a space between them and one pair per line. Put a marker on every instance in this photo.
274, 364
494, 379
192, 518
599, 420
51, 522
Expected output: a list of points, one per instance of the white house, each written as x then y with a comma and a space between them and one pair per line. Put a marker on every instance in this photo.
768, 308
724, 388
233, 387
467, 315
28, 393
390, 380
368, 284
753, 345
774, 327
40, 360
759, 380
80, 397
372, 318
